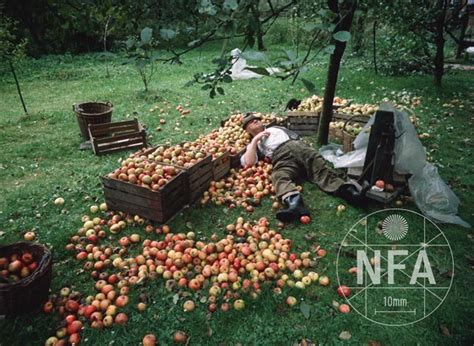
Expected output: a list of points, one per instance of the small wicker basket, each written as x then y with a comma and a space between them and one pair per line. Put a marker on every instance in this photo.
92, 113
29, 293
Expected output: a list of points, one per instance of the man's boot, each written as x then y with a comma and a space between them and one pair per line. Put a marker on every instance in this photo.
295, 209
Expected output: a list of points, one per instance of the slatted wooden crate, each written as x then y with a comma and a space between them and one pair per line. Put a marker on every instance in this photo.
199, 178
303, 123
220, 166
158, 205
110, 137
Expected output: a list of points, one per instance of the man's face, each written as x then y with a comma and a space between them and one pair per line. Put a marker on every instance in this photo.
254, 127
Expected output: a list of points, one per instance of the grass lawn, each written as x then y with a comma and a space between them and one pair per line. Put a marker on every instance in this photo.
40, 161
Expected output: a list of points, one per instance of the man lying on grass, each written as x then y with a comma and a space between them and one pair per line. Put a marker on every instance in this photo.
293, 159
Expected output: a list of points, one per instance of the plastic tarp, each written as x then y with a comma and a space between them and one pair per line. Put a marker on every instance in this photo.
239, 67
431, 194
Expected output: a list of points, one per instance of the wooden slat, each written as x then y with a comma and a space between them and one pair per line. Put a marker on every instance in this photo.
94, 127
117, 138
122, 143
131, 146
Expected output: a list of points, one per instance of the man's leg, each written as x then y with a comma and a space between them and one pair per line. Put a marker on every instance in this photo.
317, 169
285, 172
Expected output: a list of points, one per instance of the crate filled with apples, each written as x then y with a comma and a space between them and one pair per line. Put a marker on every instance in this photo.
144, 187
192, 159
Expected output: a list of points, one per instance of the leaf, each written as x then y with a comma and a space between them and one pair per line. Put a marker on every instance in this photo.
146, 35
308, 85
130, 43
305, 309
175, 299
230, 5
220, 90
345, 335
258, 70
227, 79
167, 34
342, 36
330, 49
189, 225
290, 54
206, 87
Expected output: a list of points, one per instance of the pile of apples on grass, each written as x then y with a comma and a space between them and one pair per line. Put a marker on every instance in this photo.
225, 271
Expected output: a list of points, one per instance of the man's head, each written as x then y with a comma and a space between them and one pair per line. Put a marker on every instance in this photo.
252, 124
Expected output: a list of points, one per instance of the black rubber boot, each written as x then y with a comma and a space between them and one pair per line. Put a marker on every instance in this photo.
295, 209
352, 195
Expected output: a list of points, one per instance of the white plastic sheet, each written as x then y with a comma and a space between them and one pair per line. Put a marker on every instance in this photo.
239, 65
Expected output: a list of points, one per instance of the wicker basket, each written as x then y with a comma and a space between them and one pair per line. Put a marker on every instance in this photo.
92, 113
347, 138
29, 293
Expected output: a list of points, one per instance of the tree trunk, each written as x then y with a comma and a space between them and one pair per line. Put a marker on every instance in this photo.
359, 34
439, 42
259, 33
374, 44
18, 87
344, 24
462, 35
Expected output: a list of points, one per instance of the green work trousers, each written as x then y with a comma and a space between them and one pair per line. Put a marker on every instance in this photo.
295, 160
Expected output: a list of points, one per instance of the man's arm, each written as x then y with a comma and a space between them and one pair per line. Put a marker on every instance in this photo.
250, 156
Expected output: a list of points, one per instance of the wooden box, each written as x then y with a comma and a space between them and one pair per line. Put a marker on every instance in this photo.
303, 123
158, 205
199, 178
220, 166
110, 137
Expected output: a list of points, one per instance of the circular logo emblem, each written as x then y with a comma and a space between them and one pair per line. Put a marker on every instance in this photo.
398, 265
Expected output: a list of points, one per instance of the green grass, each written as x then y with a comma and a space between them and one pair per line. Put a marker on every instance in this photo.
40, 161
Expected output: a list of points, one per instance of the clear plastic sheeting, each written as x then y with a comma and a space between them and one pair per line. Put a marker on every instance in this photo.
431, 194
239, 67
433, 197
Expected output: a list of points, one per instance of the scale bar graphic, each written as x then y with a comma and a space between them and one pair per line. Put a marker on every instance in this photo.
395, 311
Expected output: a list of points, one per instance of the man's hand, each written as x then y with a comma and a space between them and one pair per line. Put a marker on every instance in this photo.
261, 135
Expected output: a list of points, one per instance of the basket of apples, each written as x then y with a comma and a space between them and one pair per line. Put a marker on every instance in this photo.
25, 276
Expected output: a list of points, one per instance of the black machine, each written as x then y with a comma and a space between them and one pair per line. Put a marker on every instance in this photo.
379, 159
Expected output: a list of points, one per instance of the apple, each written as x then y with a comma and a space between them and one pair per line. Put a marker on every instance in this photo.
380, 184
189, 306
29, 236
324, 281
239, 304
344, 308
59, 201
149, 340
343, 291
291, 301
305, 219
94, 209
180, 337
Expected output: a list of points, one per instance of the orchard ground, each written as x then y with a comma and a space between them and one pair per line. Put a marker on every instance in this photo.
40, 161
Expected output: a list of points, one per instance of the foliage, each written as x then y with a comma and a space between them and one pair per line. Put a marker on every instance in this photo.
403, 54
10, 48
141, 52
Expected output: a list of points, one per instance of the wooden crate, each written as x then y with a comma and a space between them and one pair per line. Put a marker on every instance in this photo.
220, 166
110, 137
199, 178
158, 205
303, 123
